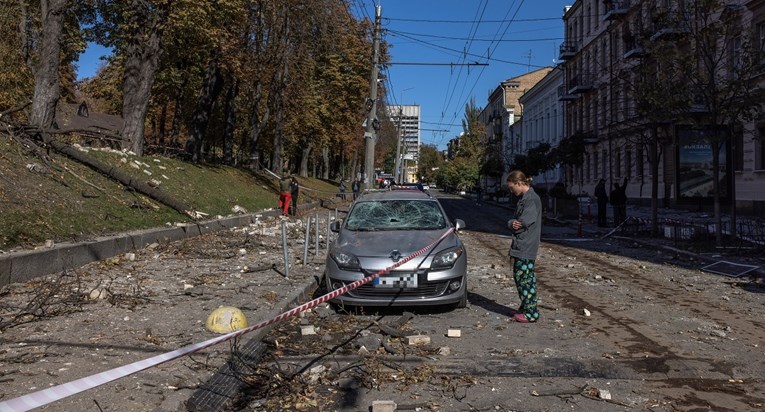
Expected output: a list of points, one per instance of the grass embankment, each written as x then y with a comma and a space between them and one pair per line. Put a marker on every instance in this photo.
60, 199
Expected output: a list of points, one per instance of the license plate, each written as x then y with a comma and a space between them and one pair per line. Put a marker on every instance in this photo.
400, 282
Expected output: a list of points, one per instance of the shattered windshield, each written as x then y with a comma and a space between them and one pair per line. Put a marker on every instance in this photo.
396, 215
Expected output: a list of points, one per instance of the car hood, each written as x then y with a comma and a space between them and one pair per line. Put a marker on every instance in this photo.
382, 243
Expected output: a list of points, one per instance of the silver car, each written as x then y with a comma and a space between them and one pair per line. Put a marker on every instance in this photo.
382, 228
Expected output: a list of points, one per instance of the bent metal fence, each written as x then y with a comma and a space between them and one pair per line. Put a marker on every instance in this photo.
750, 233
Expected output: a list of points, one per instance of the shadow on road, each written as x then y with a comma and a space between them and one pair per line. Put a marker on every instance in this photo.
490, 304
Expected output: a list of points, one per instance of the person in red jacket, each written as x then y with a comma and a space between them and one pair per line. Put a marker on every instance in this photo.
285, 198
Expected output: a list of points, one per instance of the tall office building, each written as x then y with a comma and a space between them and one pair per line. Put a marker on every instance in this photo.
408, 117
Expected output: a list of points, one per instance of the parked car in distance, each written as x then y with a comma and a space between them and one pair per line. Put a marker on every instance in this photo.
382, 228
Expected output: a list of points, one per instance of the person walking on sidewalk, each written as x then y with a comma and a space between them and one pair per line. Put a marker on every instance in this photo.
600, 194
619, 202
285, 198
526, 226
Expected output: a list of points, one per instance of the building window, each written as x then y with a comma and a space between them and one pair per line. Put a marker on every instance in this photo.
595, 164
639, 161
618, 163
627, 163
735, 55
605, 163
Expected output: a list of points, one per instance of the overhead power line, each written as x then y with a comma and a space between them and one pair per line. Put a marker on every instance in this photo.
471, 21
436, 64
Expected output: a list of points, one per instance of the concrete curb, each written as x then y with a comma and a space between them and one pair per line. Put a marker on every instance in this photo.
215, 394
26, 265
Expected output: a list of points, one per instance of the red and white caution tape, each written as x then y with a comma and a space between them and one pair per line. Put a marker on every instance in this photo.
55, 393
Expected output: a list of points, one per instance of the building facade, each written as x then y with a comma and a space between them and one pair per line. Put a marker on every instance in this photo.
609, 47
407, 120
502, 110
543, 121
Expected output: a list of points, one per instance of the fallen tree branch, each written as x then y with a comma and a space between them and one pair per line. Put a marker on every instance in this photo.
119, 175
15, 109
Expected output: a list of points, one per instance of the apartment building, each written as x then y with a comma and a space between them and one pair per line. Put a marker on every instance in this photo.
543, 121
606, 48
407, 119
502, 110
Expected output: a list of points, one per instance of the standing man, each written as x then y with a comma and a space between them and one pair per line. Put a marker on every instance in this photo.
285, 198
619, 202
526, 226
600, 194
294, 192
356, 186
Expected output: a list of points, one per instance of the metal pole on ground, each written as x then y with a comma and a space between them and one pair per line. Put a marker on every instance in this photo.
329, 218
307, 239
286, 251
316, 231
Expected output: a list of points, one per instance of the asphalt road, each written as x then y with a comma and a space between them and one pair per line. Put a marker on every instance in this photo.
623, 327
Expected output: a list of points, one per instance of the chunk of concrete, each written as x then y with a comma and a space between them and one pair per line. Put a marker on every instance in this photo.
307, 330
384, 406
454, 333
417, 340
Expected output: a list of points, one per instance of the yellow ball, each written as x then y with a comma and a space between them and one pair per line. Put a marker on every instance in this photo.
226, 319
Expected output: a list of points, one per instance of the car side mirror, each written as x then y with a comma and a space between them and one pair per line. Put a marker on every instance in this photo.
335, 226
459, 224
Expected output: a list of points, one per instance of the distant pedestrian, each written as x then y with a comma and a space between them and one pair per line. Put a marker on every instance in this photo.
285, 197
341, 187
356, 188
619, 202
526, 228
294, 192
600, 194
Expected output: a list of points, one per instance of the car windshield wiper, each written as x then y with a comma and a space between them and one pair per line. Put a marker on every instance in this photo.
365, 229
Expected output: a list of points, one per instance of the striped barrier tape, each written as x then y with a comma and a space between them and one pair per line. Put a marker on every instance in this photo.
55, 393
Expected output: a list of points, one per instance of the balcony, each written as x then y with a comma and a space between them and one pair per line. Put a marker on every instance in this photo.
632, 49
616, 9
580, 84
590, 138
568, 50
668, 25
564, 96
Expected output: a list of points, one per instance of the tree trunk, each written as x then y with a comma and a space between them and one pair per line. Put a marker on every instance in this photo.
230, 114
175, 129
257, 123
306, 154
162, 130
714, 142
142, 58
24, 31
325, 162
122, 177
732, 186
654, 182
47, 89
211, 88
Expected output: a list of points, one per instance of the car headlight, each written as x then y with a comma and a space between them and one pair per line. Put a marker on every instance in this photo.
346, 261
446, 258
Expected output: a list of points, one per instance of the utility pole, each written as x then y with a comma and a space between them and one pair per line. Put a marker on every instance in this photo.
396, 172
372, 124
